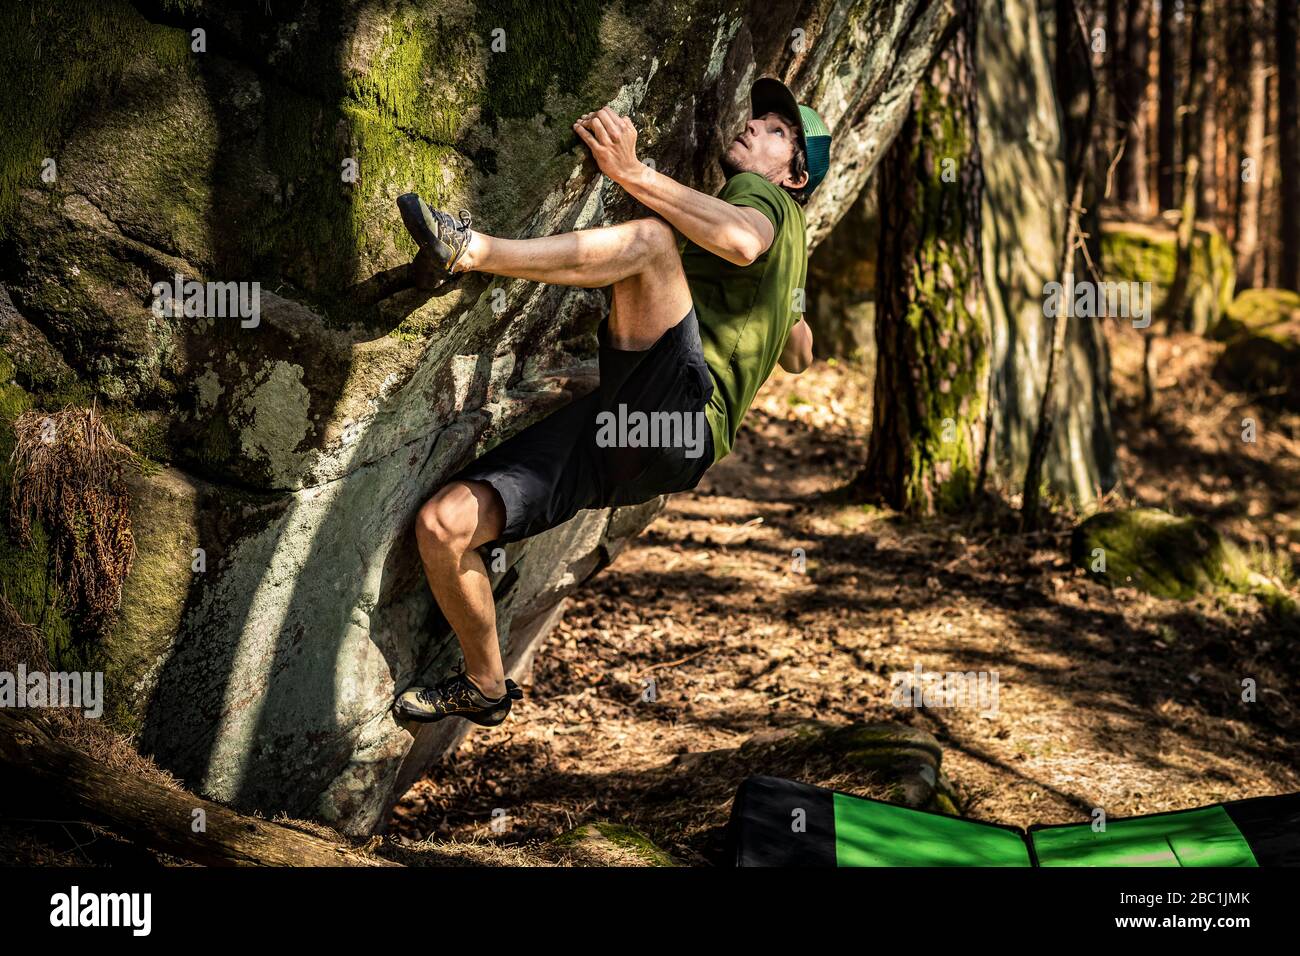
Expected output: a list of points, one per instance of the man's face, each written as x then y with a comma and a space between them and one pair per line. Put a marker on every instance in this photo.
766, 146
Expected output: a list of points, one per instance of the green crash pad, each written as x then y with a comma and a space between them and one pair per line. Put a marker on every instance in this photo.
777, 822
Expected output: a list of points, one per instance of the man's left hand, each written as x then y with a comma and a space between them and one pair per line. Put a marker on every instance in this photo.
612, 141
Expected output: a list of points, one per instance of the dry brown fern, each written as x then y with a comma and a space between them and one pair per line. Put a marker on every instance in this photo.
68, 475
20, 642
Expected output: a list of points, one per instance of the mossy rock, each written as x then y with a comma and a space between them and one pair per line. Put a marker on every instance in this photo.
1136, 252
1161, 554
1265, 361
611, 844
905, 760
1257, 309
295, 452
883, 745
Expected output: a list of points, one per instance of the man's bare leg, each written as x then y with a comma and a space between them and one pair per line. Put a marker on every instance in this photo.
462, 516
638, 258
650, 296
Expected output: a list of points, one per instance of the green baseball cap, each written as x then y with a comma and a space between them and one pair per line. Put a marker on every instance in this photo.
770, 95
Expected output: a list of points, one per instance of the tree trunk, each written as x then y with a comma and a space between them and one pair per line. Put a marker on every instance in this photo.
1029, 154
1151, 110
1078, 93
39, 773
1208, 201
1235, 109
1114, 69
1060, 327
1270, 215
1132, 183
1288, 153
1193, 126
1166, 124
1251, 168
1076, 87
931, 327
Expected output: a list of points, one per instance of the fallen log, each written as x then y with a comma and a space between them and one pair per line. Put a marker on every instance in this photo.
39, 770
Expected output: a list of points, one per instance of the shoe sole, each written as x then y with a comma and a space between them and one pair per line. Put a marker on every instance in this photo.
492, 718
408, 204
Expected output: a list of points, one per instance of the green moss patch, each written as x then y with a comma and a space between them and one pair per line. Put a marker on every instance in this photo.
1135, 252
543, 43
57, 62
611, 844
1264, 361
1161, 554
1262, 329
1257, 309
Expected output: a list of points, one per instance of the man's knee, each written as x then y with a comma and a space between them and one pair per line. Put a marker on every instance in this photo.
656, 237
449, 519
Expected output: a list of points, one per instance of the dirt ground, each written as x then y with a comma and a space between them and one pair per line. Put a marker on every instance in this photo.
1108, 699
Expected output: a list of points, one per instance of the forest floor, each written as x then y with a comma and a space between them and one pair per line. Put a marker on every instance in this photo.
1109, 699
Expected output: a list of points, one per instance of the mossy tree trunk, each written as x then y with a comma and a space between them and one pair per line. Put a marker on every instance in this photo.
932, 339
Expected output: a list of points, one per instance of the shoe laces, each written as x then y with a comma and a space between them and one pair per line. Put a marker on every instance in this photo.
447, 222
455, 689
446, 225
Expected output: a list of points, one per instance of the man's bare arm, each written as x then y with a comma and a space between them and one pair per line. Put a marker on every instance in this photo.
797, 354
738, 234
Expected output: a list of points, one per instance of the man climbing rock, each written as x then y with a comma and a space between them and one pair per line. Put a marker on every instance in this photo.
691, 336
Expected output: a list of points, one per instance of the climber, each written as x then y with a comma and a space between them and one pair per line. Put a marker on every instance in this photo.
692, 333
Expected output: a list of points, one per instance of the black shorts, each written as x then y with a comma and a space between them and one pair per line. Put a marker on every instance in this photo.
566, 462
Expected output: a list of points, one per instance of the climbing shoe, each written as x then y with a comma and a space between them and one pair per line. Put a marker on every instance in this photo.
457, 696
442, 240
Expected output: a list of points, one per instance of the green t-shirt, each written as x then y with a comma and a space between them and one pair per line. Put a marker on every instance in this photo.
746, 312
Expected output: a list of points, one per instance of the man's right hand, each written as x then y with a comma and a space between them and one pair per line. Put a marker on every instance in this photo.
739, 234
612, 141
